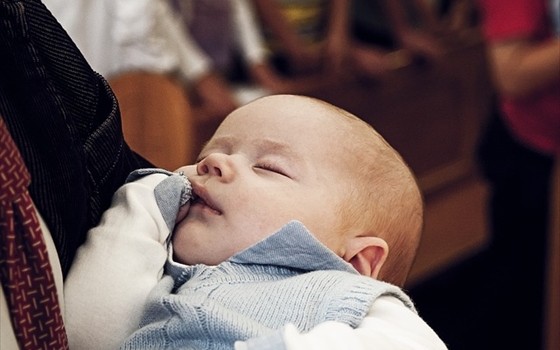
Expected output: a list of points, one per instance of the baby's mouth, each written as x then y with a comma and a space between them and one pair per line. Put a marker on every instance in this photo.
200, 197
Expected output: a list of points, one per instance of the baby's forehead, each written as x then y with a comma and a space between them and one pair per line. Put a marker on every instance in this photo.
287, 118
297, 112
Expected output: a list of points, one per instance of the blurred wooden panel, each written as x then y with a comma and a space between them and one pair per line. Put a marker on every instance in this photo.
156, 117
455, 228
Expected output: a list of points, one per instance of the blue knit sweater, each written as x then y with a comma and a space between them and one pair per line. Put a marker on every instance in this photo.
289, 277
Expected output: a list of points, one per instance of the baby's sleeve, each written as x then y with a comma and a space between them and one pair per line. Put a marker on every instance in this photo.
121, 261
388, 325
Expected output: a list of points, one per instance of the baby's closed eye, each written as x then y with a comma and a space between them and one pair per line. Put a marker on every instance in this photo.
271, 167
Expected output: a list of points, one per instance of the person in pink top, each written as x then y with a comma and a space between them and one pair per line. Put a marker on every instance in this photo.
517, 155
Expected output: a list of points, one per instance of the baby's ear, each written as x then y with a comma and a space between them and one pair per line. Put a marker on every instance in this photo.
367, 254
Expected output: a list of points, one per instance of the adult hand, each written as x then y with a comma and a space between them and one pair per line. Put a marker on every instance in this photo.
522, 67
421, 45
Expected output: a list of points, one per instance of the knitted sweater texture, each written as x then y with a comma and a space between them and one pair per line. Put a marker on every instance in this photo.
289, 277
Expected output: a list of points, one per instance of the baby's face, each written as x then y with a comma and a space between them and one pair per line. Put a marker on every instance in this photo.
272, 161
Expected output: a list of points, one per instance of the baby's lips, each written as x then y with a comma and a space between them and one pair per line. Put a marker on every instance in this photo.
183, 211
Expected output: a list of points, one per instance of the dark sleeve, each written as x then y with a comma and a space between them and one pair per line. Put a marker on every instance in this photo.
65, 121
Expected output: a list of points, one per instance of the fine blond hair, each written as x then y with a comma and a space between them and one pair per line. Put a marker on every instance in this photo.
384, 199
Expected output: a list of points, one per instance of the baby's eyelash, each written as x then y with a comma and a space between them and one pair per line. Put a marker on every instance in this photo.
266, 166
270, 167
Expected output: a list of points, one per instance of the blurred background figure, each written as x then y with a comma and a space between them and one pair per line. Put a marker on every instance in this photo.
235, 65
517, 157
138, 45
344, 37
178, 67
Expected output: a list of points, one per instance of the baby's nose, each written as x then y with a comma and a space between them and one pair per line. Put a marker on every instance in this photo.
216, 164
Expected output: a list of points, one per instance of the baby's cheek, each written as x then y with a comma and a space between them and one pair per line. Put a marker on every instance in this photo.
178, 240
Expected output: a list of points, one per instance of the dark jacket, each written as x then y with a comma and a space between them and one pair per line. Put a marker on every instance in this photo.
65, 121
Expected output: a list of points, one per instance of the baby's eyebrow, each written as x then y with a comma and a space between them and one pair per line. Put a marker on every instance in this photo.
267, 146
261, 147
225, 144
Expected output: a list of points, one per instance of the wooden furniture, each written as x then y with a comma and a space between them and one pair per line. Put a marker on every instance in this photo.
157, 117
